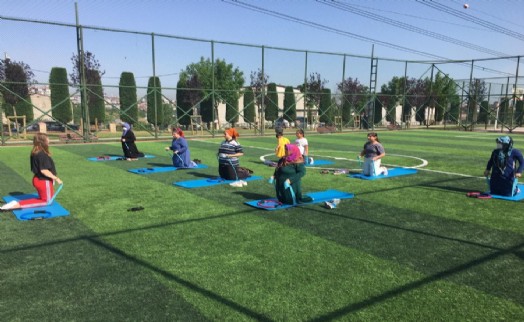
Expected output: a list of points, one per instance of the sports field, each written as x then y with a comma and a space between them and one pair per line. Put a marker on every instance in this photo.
410, 248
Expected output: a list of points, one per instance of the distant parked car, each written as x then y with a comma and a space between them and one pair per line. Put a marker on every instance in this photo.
281, 123
55, 126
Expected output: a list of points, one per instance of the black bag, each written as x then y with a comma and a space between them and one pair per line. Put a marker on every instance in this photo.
243, 172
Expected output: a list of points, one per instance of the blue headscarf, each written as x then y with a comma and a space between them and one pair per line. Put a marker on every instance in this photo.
125, 127
507, 147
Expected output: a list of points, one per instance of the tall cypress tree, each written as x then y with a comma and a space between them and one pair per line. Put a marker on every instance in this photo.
128, 98
60, 99
324, 109
232, 111
154, 101
290, 104
183, 104
249, 105
271, 111
95, 101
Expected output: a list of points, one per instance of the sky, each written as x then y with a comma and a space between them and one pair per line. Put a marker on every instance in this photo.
290, 38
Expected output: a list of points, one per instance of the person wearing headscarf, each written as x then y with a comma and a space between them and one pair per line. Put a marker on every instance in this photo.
128, 143
373, 152
228, 157
288, 176
181, 156
44, 175
505, 165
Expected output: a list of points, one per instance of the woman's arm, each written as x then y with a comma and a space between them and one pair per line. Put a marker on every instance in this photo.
50, 175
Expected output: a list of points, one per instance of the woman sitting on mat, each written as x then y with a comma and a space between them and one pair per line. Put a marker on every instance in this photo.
503, 162
128, 143
372, 152
181, 155
288, 176
228, 153
44, 171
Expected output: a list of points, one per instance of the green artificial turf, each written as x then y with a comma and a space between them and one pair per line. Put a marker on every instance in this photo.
410, 248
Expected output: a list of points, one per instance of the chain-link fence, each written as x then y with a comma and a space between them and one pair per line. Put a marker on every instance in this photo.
205, 86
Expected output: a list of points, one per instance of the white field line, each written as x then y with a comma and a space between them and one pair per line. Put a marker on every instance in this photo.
423, 163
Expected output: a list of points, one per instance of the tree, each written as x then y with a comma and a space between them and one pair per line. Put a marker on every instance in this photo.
290, 104
477, 93
249, 106
227, 82
258, 84
155, 113
354, 95
60, 99
15, 78
183, 103
128, 98
443, 92
167, 117
313, 89
271, 111
411, 93
93, 82
232, 112
324, 107
95, 94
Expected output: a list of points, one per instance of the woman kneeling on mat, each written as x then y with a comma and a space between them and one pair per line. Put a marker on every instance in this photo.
181, 155
44, 170
372, 152
503, 181
228, 153
128, 143
288, 176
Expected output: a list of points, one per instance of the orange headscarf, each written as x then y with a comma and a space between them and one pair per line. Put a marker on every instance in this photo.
232, 133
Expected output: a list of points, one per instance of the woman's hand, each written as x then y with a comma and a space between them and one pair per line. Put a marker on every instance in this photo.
518, 175
167, 148
58, 180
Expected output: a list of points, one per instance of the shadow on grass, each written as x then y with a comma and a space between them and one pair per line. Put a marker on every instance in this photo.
417, 284
122, 271
460, 252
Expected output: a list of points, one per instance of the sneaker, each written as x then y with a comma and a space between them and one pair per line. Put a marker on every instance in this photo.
236, 184
243, 183
385, 172
329, 205
335, 201
10, 205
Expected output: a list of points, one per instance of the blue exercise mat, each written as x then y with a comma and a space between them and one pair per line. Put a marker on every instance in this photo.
393, 172
318, 197
115, 158
45, 212
519, 196
209, 182
317, 163
164, 169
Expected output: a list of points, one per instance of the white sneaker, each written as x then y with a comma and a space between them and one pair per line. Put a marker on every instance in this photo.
10, 205
329, 205
243, 183
236, 184
385, 172
335, 201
